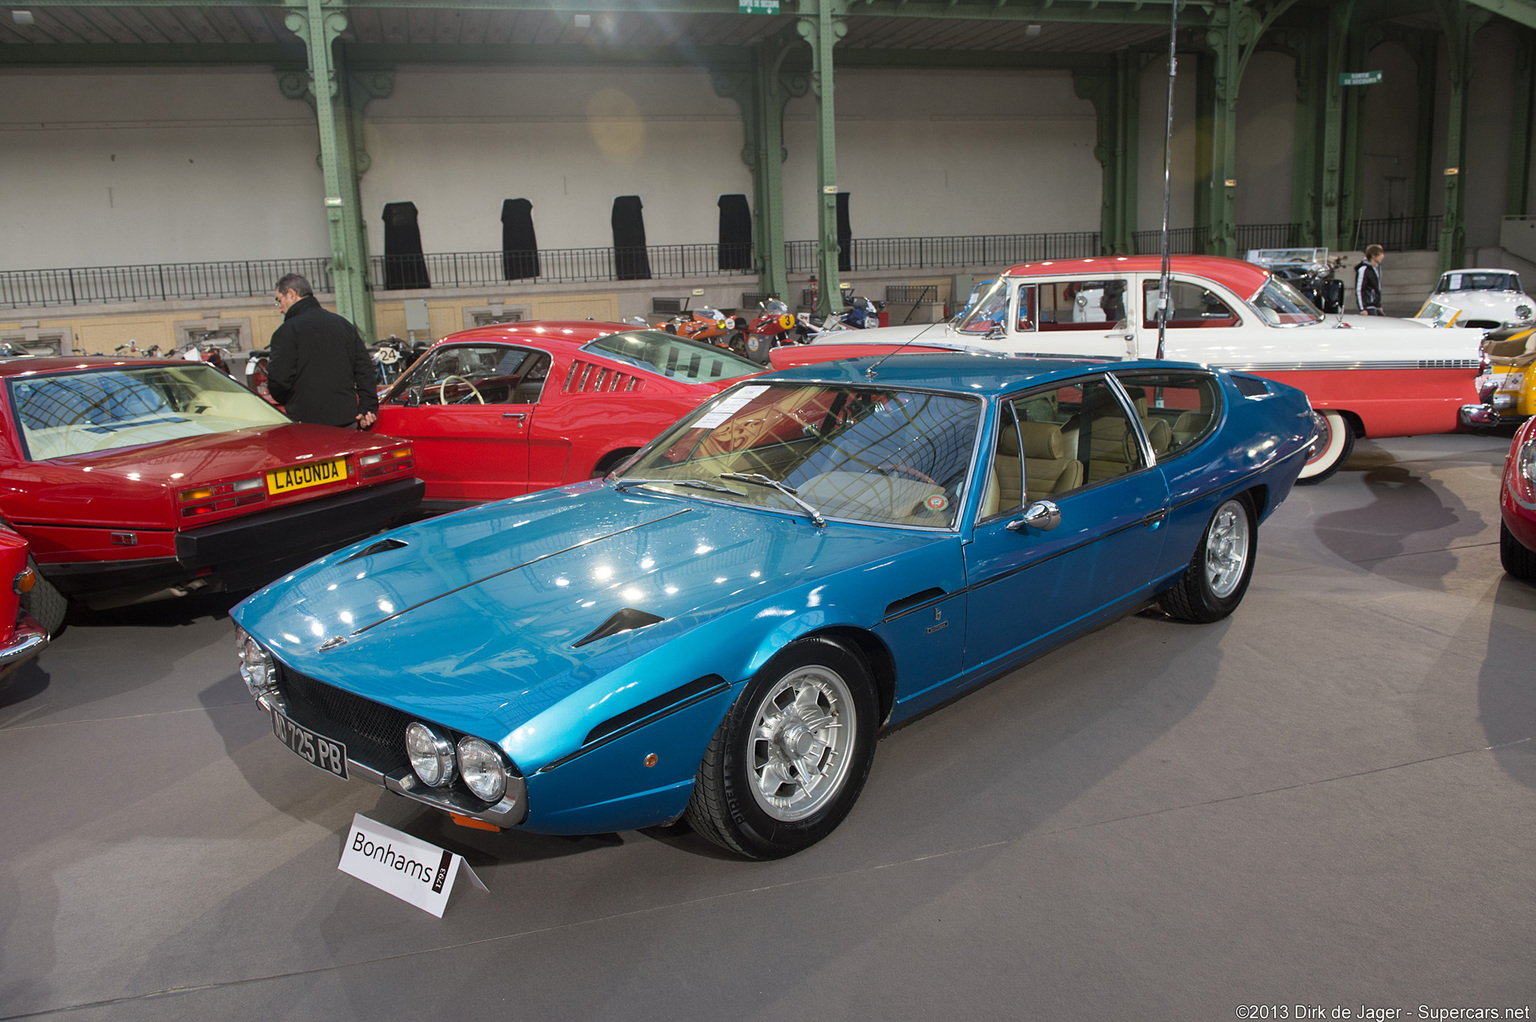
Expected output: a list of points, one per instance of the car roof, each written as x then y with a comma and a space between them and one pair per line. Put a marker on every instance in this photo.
972, 373
1234, 274
556, 333
47, 364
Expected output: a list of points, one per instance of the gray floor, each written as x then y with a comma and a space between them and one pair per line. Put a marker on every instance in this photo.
1325, 800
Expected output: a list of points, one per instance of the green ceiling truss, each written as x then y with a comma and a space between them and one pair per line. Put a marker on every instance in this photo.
1324, 36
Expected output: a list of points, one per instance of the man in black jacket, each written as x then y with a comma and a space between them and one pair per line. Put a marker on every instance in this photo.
319, 370
1368, 281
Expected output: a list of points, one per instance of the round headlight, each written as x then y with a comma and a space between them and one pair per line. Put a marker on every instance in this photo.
482, 770
431, 755
256, 667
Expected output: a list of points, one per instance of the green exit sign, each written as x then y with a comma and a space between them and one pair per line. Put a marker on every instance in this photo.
757, 6
1360, 78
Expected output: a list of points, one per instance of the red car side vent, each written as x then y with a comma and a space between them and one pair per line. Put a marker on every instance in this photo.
586, 378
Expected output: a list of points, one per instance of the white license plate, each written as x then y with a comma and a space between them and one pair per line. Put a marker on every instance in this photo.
318, 750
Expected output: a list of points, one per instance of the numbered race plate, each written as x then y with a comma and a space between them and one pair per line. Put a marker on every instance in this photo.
298, 477
318, 750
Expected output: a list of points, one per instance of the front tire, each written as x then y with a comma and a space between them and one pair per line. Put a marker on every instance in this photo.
791, 756
45, 603
1518, 559
1217, 577
1335, 439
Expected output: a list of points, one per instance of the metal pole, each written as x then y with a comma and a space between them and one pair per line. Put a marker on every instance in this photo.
1162, 290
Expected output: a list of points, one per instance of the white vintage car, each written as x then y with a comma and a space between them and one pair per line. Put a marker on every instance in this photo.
1365, 375
1486, 299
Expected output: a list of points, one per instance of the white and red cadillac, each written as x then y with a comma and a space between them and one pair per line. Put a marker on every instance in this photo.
1365, 375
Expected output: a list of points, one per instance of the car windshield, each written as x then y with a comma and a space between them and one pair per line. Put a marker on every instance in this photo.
891, 457
1280, 304
1479, 280
673, 356
987, 311
81, 412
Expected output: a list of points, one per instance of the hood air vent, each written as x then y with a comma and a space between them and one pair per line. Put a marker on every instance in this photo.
377, 548
626, 620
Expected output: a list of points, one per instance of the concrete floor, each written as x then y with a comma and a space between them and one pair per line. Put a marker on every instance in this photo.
1326, 800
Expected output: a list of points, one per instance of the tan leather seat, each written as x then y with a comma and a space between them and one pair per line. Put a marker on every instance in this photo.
1047, 467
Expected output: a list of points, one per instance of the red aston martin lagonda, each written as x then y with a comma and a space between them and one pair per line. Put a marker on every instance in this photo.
501, 410
131, 478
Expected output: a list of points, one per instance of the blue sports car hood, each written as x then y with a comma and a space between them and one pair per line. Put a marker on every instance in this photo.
492, 615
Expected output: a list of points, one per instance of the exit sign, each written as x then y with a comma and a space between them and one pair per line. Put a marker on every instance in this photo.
1360, 78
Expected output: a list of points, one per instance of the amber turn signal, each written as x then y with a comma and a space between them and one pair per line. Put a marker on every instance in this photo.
472, 823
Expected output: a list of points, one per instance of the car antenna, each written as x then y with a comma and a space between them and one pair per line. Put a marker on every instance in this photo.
869, 374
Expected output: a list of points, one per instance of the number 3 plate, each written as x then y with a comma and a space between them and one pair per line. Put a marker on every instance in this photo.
328, 755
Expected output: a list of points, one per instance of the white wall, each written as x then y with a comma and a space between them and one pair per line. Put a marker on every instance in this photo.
1152, 132
939, 153
1266, 134
100, 169
458, 141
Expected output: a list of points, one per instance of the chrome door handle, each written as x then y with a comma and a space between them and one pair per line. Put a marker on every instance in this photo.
520, 416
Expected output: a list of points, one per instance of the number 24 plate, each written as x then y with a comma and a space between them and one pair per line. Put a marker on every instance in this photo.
320, 751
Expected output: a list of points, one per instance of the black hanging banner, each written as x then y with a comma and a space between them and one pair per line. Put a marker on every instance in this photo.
519, 247
405, 267
630, 261
735, 233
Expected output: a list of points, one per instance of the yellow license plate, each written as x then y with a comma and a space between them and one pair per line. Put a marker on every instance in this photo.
298, 477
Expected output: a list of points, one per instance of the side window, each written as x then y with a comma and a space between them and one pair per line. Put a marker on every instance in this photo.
471, 374
1036, 456
1177, 409
1026, 323
1081, 304
1098, 433
1189, 305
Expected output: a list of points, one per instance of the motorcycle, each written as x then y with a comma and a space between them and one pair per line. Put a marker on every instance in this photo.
709, 325
773, 328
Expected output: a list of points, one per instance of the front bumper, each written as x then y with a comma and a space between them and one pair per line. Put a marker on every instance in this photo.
374, 736
1479, 415
26, 643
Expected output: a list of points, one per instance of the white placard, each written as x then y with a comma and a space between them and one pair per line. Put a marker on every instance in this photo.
728, 407
411, 869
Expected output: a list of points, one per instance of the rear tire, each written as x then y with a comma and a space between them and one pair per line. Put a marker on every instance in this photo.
1518, 559
46, 604
1334, 440
791, 756
1217, 577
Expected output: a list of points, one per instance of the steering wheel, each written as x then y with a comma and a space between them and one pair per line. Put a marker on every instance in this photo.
442, 387
907, 470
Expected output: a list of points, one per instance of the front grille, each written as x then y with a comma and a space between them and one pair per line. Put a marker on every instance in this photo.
373, 733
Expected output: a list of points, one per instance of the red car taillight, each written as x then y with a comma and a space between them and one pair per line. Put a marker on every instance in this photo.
205, 500
386, 463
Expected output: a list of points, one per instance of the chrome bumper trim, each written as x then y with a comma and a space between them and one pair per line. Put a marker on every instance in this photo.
1479, 415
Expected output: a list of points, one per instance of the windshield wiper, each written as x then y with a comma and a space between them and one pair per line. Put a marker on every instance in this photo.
788, 491
695, 484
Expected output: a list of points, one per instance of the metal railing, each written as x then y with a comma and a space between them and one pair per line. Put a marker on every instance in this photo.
995, 250
162, 282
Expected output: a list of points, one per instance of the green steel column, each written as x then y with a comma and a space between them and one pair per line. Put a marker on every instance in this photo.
1304, 167
1225, 73
1459, 25
822, 30
1116, 98
1352, 150
319, 28
1427, 57
1518, 194
762, 92
1331, 184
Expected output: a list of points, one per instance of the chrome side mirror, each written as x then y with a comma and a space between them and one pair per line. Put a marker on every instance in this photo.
1042, 514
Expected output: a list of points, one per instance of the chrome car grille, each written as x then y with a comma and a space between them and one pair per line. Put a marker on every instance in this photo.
373, 733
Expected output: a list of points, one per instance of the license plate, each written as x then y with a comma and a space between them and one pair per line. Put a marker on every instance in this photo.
298, 477
318, 750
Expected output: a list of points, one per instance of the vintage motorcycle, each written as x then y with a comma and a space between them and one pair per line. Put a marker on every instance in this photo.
709, 325
773, 327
